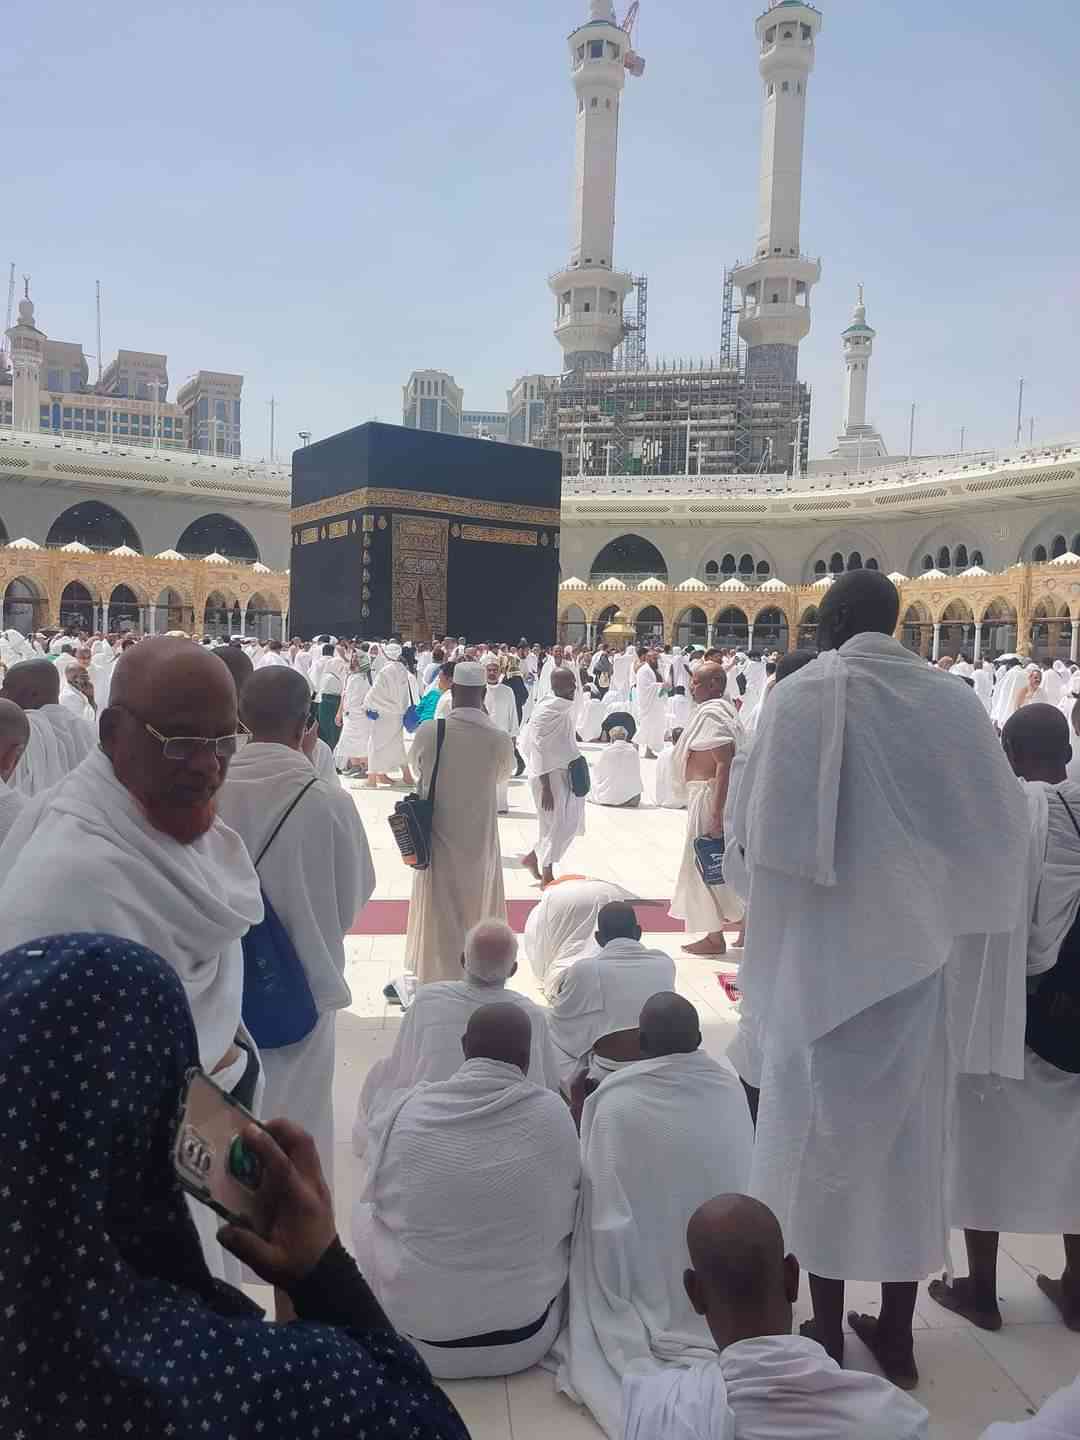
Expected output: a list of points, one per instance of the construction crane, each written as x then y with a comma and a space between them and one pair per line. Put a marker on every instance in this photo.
634, 62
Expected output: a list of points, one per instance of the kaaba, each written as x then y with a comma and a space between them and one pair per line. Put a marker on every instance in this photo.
410, 533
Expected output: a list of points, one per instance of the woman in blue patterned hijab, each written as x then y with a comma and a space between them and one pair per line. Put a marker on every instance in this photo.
110, 1322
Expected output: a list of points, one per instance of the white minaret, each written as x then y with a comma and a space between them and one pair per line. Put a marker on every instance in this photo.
589, 292
776, 284
27, 354
858, 439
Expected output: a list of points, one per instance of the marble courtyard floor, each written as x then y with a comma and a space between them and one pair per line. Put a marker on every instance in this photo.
969, 1378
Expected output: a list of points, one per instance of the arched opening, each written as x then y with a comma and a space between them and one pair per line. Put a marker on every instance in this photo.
960, 557
731, 628
169, 612
649, 626
218, 535
572, 626
836, 563
820, 568
1050, 630
957, 634
999, 629
77, 607
746, 565
1075, 546
808, 629
871, 564
94, 524
630, 559
771, 630
217, 615
3, 533
691, 628
24, 606
976, 557
944, 559
917, 630
1057, 546
1038, 555
854, 561
927, 562
763, 568
727, 565
124, 610
606, 616
712, 569
262, 618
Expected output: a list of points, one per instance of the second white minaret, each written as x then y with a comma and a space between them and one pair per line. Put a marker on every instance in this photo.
858, 439
589, 291
776, 283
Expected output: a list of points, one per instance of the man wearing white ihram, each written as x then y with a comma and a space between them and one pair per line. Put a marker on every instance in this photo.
549, 747
59, 741
869, 856
701, 767
650, 706
464, 883
388, 699
502, 707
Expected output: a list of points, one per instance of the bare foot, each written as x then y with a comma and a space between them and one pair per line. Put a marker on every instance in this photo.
529, 861
894, 1354
407, 777
959, 1297
832, 1345
1068, 1305
711, 945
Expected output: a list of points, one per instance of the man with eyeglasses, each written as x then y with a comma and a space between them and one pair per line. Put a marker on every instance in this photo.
132, 845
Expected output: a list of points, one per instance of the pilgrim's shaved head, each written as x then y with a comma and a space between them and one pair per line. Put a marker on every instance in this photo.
499, 1032
275, 703
14, 736
562, 683
740, 1278
32, 684
1037, 742
669, 1025
238, 663
861, 601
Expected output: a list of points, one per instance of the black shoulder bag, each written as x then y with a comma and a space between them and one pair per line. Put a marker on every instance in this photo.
410, 824
1053, 1007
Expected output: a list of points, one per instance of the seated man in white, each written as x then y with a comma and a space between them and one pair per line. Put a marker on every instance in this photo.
428, 1044
464, 1227
603, 993
658, 1139
616, 772
562, 927
666, 792
765, 1381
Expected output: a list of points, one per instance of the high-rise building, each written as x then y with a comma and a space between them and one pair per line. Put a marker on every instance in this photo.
858, 440
210, 402
589, 291
484, 424
431, 400
776, 283
525, 407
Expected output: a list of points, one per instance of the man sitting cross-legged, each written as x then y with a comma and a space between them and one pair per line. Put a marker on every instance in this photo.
428, 1043
464, 1227
765, 1381
658, 1138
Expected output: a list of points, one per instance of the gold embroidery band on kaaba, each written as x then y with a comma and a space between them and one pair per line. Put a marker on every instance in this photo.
369, 498
498, 536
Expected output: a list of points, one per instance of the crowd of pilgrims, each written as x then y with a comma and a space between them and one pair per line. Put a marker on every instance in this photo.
895, 846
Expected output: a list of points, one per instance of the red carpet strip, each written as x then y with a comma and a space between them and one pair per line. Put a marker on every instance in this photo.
390, 917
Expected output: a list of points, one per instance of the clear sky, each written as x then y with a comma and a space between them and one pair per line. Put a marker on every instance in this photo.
324, 196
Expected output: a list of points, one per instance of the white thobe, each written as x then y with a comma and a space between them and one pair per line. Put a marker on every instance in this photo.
1015, 1157
389, 697
317, 875
622, 674
464, 1226
615, 774
101, 673
562, 927
869, 857
548, 746
322, 758
427, 1046
665, 794
983, 677
592, 717
682, 1117
464, 883
712, 726
679, 709
11, 807
772, 1387
604, 992
501, 705
356, 730
76, 703
650, 709
58, 743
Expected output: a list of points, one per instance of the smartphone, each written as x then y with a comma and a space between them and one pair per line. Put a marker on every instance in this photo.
210, 1158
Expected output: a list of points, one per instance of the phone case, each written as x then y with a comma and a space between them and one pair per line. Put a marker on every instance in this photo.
208, 1156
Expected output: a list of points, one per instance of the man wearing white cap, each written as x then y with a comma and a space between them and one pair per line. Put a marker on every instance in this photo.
464, 883
502, 707
390, 696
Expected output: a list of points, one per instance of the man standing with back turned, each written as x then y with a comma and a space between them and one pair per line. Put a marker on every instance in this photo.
869, 854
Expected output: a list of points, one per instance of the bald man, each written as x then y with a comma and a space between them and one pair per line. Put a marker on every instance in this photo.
14, 738
700, 769
59, 741
241, 667
464, 1230
1016, 1149
316, 874
765, 1382
676, 1114
549, 747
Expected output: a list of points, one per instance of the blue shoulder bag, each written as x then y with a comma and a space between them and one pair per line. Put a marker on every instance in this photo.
278, 1006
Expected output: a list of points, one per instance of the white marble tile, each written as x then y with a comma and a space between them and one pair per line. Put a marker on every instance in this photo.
483, 1406
539, 1412
1039, 1359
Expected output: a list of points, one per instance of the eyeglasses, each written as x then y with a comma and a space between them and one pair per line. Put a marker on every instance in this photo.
186, 747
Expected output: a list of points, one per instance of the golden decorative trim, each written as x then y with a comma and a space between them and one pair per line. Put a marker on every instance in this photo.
498, 537
337, 529
310, 535
367, 497
418, 582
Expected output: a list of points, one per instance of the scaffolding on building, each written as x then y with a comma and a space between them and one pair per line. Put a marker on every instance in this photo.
633, 352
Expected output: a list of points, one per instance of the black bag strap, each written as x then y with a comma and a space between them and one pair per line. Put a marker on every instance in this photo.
292, 806
1069, 811
440, 735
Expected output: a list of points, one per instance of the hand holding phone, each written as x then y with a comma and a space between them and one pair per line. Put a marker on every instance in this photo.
295, 1225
